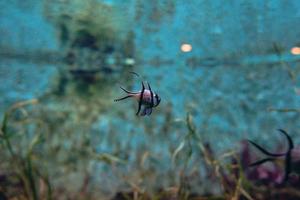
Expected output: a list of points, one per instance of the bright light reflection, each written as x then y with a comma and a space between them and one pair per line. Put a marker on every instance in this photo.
186, 47
295, 50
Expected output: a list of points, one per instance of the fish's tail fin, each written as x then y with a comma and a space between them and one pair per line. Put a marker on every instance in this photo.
122, 98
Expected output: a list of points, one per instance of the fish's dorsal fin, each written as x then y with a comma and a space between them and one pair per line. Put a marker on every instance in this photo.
289, 139
127, 91
135, 74
264, 151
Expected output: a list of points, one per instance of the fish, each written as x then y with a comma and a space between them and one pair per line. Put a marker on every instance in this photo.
274, 156
146, 98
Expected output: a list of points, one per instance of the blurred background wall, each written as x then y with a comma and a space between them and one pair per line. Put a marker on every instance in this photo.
72, 55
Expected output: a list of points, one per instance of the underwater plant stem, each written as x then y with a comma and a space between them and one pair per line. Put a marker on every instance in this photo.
9, 146
49, 193
14, 158
45, 178
207, 154
236, 193
23, 167
208, 157
30, 177
5, 136
23, 177
283, 63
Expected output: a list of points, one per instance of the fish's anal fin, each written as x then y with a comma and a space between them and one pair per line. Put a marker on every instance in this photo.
146, 111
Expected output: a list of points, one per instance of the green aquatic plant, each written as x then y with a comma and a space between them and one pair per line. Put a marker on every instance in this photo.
23, 166
272, 156
230, 176
31, 154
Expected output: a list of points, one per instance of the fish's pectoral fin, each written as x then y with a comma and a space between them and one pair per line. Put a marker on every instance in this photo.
122, 98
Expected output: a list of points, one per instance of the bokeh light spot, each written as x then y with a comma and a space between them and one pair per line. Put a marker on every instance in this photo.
295, 50
186, 48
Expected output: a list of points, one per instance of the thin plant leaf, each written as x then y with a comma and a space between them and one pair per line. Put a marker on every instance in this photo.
177, 150
108, 158
31, 177
245, 193
36, 140
22, 104
190, 125
4, 125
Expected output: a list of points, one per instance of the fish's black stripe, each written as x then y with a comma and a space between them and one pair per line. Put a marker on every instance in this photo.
141, 98
152, 100
287, 169
156, 97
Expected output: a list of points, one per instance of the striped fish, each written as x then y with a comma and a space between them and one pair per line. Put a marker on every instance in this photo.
146, 98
